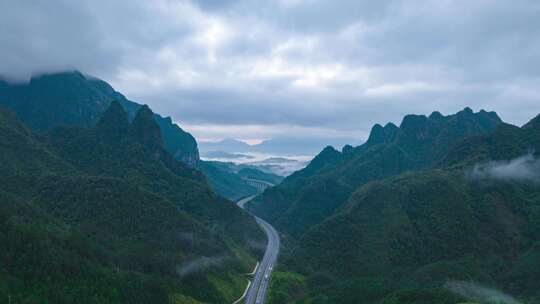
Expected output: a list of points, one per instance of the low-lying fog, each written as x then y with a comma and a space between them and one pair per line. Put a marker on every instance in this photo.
282, 165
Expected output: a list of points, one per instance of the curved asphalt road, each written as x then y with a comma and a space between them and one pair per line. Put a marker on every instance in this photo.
257, 291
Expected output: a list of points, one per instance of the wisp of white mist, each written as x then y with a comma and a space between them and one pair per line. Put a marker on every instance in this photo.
478, 293
199, 264
523, 168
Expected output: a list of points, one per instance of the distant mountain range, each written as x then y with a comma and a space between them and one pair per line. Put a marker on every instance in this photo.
276, 146
226, 155
281, 166
228, 145
430, 211
73, 99
281, 156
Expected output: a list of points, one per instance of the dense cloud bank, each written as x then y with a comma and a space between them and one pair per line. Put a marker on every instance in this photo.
264, 69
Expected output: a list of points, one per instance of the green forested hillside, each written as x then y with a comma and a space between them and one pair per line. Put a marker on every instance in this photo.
107, 215
73, 99
226, 182
309, 196
473, 217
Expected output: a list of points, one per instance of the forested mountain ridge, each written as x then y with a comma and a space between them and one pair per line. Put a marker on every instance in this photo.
73, 99
473, 218
310, 195
106, 214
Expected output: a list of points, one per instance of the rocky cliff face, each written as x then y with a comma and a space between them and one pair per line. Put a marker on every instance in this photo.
73, 99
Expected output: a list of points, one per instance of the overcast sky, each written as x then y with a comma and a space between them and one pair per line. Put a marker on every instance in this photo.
255, 69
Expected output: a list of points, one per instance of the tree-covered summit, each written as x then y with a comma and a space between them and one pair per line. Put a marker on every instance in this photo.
73, 99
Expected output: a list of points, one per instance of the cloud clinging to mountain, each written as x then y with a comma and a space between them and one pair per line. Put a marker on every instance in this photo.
524, 168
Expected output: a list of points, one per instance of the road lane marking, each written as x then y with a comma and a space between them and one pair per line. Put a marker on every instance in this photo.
254, 269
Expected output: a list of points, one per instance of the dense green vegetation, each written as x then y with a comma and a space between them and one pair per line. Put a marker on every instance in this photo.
422, 230
73, 99
107, 215
226, 182
404, 238
309, 196
285, 286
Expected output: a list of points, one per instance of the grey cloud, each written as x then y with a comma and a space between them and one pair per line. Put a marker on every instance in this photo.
213, 5
279, 104
310, 16
473, 35
97, 37
473, 41
524, 168
333, 65
477, 38
33, 39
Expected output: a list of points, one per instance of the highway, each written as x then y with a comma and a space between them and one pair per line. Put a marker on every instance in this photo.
259, 286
